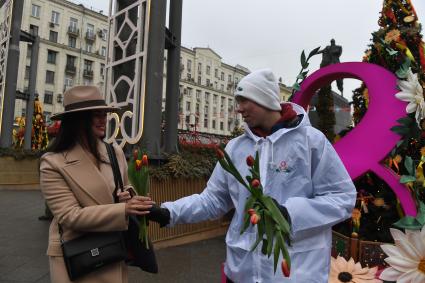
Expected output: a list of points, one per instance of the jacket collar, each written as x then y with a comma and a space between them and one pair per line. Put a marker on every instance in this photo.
281, 126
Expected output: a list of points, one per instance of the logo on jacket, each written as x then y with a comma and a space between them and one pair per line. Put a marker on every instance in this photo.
283, 167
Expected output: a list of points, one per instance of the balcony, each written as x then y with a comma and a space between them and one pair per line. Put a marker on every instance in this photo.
90, 36
70, 69
88, 74
72, 30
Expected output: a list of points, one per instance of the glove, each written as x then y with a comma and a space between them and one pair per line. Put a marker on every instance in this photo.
159, 215
283, 210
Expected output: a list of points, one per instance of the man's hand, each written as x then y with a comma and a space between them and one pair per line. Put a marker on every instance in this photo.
159, 215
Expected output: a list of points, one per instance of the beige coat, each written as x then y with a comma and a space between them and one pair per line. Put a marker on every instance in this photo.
80, 198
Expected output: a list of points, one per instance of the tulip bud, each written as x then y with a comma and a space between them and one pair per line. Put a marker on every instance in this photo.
219, 153
250, 161
255, 183
251, 211
144, 160
285, 268
138, 164
255, 218
135, 154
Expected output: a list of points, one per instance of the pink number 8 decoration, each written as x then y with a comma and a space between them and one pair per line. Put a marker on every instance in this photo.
363, 148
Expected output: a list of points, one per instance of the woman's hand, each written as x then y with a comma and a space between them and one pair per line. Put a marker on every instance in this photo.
123, 196
138, 205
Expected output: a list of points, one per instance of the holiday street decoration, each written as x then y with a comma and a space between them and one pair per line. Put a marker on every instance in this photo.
398, 46
19, 134
343, 271
39, 136
406, 258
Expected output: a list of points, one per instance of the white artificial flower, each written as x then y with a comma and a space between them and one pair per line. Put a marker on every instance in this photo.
412, 92
406, 258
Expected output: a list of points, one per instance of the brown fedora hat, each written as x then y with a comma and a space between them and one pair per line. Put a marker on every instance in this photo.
82, 98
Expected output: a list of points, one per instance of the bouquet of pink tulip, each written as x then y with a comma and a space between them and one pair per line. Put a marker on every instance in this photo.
262, 211
138, 174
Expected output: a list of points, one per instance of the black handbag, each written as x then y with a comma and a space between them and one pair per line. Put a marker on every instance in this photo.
91, 252
137, 254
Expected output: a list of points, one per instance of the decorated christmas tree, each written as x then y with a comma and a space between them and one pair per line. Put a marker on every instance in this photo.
39, 135
398, 47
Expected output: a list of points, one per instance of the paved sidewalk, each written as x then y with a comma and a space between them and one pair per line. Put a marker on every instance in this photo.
23, 242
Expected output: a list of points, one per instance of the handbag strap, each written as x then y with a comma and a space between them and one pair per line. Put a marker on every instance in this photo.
115, 169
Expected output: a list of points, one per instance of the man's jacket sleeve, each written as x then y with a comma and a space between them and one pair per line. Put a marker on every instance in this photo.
212, 203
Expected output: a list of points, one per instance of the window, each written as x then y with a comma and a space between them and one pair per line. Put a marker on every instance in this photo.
199, 68
223, 100
208, 82
205, 123
90, 29
208, 70
48, 97
199, 80
50, 77
197, 108
53, 36
72, 42
222, 126
47, 116
207, 98
215, 98
27, 72
213, 124
51, 56
222, 87
188, 106
198, 94
189, 66
189, 76
102, 70
69, 82
222, 76
55, 17
103, 51
33, 30
89, 47
229, 78
35, 12
88, 65
206, 109
70, 60
216, 73
29, 50
104, 34
73, 24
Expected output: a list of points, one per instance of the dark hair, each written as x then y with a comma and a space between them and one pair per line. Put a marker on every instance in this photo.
76, 128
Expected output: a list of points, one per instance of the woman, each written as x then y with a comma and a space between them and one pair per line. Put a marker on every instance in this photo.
77, 182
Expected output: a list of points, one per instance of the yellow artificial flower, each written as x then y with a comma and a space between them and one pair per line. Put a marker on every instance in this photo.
392, 35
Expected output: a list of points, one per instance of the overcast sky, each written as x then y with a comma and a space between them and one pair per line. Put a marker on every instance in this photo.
272, 33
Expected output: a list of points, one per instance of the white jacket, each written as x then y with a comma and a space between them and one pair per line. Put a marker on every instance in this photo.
301, 170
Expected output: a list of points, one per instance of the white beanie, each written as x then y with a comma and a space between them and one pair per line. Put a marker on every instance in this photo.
261, 87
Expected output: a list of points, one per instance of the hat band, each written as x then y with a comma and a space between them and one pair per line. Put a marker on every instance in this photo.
85, 104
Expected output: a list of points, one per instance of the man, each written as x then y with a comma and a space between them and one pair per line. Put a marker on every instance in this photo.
299, 169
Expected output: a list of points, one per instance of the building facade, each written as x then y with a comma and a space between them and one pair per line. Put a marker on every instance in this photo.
72, 51
207, 86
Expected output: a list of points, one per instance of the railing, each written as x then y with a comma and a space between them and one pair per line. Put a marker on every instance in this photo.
88, 73
73, 30
90, 35
70, 69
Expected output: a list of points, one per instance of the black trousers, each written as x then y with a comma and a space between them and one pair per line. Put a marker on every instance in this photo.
228, 280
